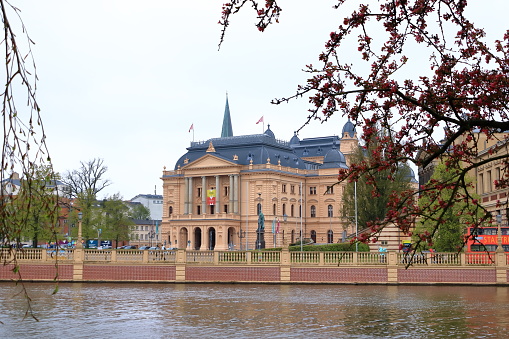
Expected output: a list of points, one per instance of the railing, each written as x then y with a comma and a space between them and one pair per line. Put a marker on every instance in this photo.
162, 256
266, 257
233, 257
338, 258
60, 254
129, 255
481, 258
304, 257
95, 255
255, 257
199, 257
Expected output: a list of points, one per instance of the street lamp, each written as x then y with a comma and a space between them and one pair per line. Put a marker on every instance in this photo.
285, 239
79, 242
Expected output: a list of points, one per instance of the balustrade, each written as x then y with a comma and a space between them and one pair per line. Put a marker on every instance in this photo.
295, 258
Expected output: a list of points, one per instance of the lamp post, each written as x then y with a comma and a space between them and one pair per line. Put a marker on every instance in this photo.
329, 236
79, 242
285, 239
241, 234
500, 248
356, 221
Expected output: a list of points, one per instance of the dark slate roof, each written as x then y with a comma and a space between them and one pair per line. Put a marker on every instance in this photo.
148, 222
17, 182
148, 196
227, 130
269, 132
255, 147
350, 128
14, 182
411, 175
334, 159
314, 147
295, 139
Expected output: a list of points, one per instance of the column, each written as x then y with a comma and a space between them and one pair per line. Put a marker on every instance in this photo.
186, 195
236, 194
190, 196
230, 198
218, 194
203, 195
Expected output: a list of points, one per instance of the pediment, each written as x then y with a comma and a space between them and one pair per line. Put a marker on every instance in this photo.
209, 161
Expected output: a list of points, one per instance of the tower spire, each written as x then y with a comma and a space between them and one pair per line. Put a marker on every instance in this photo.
227, 130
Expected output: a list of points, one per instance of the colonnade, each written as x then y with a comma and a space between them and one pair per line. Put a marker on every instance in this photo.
233, 195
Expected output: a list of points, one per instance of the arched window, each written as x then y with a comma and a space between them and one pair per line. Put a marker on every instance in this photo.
291, 210
300, 211
258, 208
274, 209
170, 210
330, 237
284, 209
313, 211
313, 236
330, 212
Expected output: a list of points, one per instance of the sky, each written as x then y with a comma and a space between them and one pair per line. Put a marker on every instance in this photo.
124, 80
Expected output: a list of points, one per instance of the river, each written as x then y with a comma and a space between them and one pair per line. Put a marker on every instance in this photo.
126, 310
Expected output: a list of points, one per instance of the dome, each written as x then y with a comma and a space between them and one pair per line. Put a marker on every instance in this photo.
349, 128
334, 159
411, 175
295, 139
269, 132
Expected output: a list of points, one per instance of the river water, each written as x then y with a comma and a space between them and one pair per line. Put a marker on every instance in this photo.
127, 310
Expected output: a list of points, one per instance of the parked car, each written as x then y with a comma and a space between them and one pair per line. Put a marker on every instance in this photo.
144, 247
153, 248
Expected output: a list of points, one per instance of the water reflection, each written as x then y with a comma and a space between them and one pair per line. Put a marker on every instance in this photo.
250, 311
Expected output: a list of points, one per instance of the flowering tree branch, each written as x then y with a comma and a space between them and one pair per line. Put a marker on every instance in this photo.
457, 100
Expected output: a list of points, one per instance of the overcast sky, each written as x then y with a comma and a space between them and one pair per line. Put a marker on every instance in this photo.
124, 80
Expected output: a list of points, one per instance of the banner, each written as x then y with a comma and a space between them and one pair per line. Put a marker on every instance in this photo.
211, 197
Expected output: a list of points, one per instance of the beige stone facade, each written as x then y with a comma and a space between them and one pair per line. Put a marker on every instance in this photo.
188, 222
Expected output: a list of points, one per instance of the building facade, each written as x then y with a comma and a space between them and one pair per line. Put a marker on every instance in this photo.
213, 196
153, 202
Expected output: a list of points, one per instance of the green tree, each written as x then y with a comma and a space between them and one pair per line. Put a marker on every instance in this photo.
374, 190
116, 221
34, 209
423, 70
138, 211
443, 229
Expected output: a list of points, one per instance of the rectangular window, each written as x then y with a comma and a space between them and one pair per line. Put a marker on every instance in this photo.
283, 188
312, 190
481, 184
199, 192
330, 190
292, 189
226, 191
225, 208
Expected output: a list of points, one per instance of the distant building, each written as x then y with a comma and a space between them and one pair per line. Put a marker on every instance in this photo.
12, 185
153, 202
146, 233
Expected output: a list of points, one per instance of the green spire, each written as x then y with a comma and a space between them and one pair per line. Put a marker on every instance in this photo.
227, 130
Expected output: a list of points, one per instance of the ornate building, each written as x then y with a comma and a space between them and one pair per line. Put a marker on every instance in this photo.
213, 197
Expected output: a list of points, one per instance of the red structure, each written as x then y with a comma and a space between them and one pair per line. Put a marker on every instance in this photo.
486, 239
